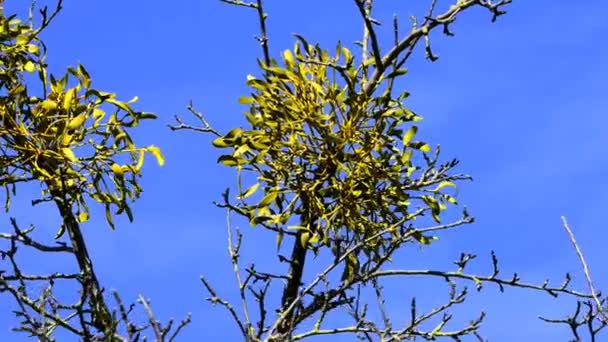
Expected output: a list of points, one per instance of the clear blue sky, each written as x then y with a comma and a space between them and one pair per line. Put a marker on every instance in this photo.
522, 103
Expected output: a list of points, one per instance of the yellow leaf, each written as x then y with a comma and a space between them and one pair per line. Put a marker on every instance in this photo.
48, 104
140, 161
77, 122
246, 100
406, 157
444, 184
117, 169
234, 133
66, 139
22, 40
83, 216
68, 153
29, 66
98, 115
271, 196
348, 56
304, 237
86, 79
31, 48
220, 143
249, 191
157, 154
68, 98
122, 105
425, 148
288, 58
409, 135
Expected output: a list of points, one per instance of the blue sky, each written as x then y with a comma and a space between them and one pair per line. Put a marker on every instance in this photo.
520, 102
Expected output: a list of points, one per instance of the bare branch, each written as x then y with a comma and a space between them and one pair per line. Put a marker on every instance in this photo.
579, 253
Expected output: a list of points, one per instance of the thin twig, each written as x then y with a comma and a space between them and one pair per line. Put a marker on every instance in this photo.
581, 258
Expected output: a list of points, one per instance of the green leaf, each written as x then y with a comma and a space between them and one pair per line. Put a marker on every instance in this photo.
280, 236
109, 217
144, 116
259, 219
351, 268
396, 73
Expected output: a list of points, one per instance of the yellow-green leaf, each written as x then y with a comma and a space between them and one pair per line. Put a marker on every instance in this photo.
157, 154
249, 191
48, 105
234, 133
229, 160
409, 135
443, 185
33, 49
120, 105
406, 157
246, 100
109, 217
288, 58
60, 232
68, 153
117, 169
220, 143
76, 122
304, 237
271, 196
140, 160
68, 98
280, 235
348, 56
83, 216
86, 79
29, 66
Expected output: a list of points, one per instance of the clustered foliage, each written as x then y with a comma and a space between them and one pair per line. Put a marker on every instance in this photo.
330, 154
63, 137
73, 140
330, 161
